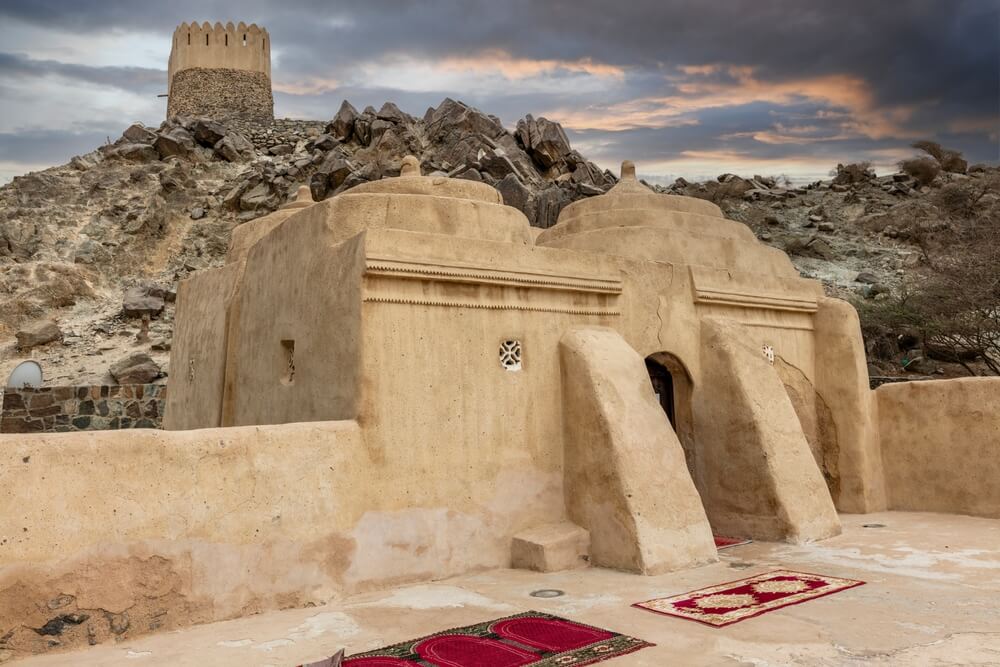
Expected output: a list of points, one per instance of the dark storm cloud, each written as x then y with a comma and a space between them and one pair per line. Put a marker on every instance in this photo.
832, 79
52, 146
133, 79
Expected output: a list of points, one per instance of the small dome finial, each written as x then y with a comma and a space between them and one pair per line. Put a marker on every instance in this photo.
628, 171
411, 166
304, 195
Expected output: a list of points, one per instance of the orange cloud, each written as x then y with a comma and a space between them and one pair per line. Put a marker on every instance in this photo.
845, 93
310, 86
494, 60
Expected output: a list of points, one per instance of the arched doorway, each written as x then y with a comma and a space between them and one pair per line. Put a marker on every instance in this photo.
672, 385
663, 387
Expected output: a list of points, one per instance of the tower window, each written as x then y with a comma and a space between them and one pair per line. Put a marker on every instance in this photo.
244, 39
288, 346
189, 39
206, 40
227, 40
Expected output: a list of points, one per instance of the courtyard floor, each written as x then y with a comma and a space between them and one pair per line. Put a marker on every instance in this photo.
932, 598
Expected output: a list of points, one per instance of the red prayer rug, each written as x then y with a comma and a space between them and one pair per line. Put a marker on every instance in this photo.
725, 542
531, 638
736, 601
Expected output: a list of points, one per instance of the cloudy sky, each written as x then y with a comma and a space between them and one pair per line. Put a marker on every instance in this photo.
683, 87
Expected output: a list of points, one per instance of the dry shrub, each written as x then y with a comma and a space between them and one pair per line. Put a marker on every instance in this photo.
34, 290
955, 199
950, 160
923, 169
954, 303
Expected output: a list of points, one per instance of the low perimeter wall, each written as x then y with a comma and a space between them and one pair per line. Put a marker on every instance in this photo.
84, 408
941, 445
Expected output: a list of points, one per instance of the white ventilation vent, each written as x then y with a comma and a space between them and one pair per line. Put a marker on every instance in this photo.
768, 353
510, 355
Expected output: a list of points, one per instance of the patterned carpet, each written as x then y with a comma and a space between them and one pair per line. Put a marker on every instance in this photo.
736, 601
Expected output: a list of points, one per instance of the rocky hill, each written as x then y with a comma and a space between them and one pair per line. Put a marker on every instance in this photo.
91, 251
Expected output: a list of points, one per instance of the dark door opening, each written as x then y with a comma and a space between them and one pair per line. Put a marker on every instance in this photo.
663, 385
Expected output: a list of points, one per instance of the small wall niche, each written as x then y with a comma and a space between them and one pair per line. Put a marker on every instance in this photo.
288, 350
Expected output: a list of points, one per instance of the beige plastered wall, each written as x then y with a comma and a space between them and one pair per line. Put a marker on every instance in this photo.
842, 391
941, 445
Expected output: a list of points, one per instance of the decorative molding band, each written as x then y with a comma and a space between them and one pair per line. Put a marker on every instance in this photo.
601, 312
718, 297
775, 325
440, 272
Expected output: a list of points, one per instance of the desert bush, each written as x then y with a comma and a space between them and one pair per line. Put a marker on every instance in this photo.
954, 303
950, 160
923, 169
956, 199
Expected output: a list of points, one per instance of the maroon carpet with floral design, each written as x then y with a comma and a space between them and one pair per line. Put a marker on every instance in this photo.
736, 601
531, 638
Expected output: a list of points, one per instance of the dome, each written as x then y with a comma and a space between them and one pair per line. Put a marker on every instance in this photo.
631, 220
428, 204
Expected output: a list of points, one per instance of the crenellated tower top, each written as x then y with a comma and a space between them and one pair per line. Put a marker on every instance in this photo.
237, 47
220, 71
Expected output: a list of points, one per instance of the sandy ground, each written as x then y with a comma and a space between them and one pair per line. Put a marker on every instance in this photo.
932, 598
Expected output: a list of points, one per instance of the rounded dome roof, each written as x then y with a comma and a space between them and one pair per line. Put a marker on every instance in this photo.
632, 220
632, 204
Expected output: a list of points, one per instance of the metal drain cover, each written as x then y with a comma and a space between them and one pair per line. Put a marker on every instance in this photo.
873, 525
547, 593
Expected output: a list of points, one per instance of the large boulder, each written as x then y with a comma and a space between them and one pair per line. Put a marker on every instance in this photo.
208, 132
342, 125
137, 133
334, 170
544, 140
391, 113
515, 194
260, 196
136, 152
548, 204
174, 141
234, 147
137, 368
452, 116
141, 300
39, 334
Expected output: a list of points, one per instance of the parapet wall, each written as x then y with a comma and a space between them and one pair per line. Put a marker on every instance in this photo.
82, 408
239, 47
941, 445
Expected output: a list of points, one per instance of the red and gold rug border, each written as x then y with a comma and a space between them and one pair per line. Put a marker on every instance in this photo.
855, 583
638, 645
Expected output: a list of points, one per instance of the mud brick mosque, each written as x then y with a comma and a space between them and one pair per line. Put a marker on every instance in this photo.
407, 382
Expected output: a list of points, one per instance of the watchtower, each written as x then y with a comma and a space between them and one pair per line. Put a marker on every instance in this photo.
220, 71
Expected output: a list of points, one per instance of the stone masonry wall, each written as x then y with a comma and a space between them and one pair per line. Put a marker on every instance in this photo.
89, 408
220, 94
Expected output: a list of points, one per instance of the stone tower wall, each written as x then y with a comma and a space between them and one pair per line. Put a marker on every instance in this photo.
220, 71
